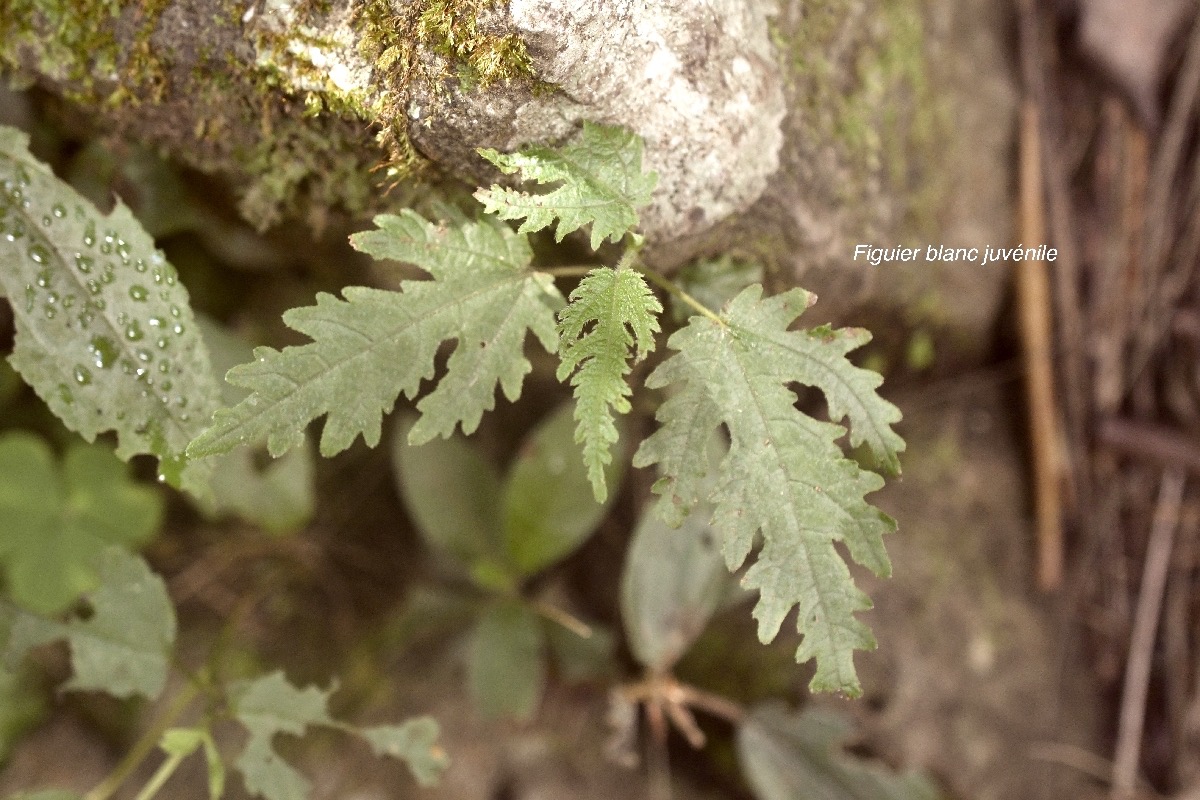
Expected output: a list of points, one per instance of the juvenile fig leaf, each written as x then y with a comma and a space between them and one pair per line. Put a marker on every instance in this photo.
124, 647
601, 179
785, 474
787, 755
623, 314
104, 331
375, 344
56, 521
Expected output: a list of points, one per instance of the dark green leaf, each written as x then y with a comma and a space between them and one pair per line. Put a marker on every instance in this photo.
581, 658
549, 509
674, 579
453, 495
787, 756
714, 282
506, 671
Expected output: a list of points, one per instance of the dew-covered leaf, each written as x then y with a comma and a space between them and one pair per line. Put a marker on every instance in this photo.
610, 312
123, 646
789, 755
375, 344
785, 474
104, 330
601, 179
57, 519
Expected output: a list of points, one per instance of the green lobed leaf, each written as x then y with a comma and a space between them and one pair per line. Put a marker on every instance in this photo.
376, 344
267, 706
622, 313
415, 742
548, 507
104, 330
787, 755
785, 474
124, 646
270, 705
602, 184
506, 671
56, 521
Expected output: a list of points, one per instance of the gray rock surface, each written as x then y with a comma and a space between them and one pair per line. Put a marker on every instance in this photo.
699, 81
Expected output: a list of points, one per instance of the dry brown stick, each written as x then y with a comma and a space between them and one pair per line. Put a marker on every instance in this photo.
1161, 200
1145, 631
1068, 307
1159, 443
1033, 294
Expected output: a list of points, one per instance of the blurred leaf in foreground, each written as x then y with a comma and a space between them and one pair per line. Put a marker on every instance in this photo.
789, 755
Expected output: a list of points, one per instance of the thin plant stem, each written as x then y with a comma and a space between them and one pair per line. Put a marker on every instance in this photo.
570, 271
164, 773
566, 620
107, 787
672, 287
